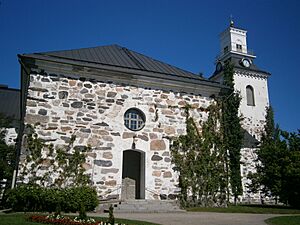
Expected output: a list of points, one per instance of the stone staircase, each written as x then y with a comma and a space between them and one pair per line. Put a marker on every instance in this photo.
147, 206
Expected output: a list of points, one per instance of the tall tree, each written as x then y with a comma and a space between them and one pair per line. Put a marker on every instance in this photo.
272, 156
278, 167
291, 184
184, 150
232, 131
214, 156
7, 155
200, 163
209, 161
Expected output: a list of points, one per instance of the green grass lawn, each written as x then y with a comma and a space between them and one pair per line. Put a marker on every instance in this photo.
14, 219
284, 220
19, 219
259, 209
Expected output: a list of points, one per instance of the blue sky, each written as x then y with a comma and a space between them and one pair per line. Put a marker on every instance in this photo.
181, 33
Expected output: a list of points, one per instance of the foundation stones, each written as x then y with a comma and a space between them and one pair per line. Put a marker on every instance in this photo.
157, 145
62, 94
111, 183
156, 173
112, 170
107, 155
167, 174
33, 119
128, 135
42, 112
86, 166
92, 154
103, 163
156, 158
77, 104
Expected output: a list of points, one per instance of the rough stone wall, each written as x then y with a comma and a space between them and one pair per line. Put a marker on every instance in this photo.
94, 112
248, 163
248, 157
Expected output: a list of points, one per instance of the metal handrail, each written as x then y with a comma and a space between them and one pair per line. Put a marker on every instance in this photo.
114, 190
118, 187
155, 192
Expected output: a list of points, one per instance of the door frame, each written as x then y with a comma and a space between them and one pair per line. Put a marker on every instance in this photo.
142, 157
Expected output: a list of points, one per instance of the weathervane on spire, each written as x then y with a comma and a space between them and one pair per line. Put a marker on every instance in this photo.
231, 21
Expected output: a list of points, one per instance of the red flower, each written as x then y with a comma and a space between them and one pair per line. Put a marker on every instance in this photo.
62, 221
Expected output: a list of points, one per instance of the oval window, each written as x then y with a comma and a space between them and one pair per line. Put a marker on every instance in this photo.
134, 119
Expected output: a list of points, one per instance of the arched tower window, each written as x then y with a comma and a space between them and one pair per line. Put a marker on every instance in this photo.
250, 95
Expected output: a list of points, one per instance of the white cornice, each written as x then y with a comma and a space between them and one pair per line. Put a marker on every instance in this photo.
250, 73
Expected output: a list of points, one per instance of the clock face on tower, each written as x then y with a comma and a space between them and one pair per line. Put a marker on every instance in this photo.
219, 66
246, 63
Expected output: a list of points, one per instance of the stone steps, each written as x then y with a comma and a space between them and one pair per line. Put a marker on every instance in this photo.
147, 206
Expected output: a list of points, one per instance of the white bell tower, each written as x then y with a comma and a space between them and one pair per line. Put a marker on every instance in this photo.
234, 40
250, 81
252, 84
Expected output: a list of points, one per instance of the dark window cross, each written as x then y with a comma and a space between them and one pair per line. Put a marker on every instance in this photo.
134, 119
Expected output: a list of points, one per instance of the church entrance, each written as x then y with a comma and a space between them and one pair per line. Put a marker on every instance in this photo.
133, 175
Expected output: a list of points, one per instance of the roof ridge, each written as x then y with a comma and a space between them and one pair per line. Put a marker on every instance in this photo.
78, 49
186, 71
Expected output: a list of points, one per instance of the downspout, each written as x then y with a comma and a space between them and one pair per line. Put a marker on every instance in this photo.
21, 125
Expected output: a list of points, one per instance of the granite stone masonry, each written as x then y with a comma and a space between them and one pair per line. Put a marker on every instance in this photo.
94, 113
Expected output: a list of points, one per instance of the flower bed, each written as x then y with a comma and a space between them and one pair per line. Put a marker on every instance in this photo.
61, 220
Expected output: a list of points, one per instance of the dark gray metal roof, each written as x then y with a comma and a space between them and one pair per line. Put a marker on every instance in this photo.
10, 102
253, 67
116, 55
236, 62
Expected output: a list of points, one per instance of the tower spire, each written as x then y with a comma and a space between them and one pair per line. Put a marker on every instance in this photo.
231, 21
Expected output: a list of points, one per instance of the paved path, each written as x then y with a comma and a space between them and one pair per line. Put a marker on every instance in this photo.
197, 218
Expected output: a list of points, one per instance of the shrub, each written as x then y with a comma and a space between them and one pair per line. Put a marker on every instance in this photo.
53, 199
41, 199
77, 197
26, 198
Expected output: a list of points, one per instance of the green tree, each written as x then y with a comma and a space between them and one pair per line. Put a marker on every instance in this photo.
7, 155
208, 162
278, 168
213, 158
199, 162
271, 156
183, 156
232, 135
291, 178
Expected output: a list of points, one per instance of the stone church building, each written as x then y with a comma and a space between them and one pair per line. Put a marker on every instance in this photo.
126, 105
